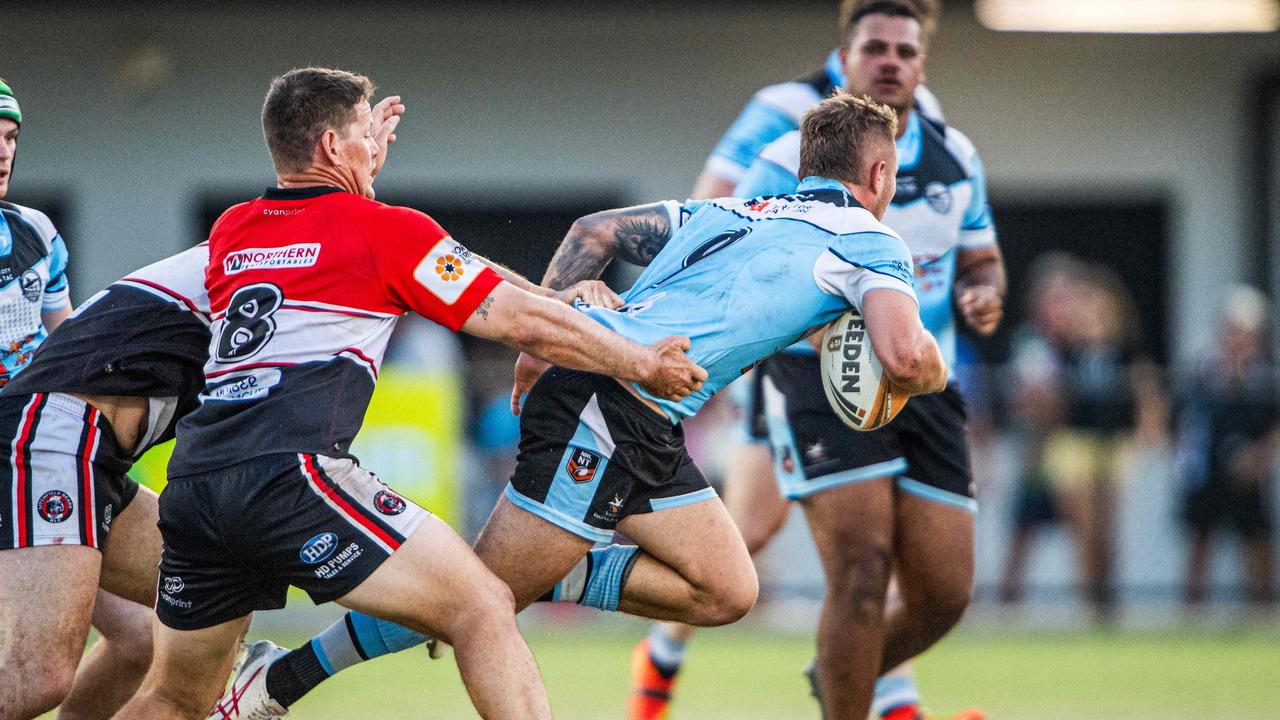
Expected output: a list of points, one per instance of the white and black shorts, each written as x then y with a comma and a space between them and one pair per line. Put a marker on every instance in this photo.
237, 537
62, 476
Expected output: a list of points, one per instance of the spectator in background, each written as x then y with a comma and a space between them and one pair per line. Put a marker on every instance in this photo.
1228, 439
1084, 390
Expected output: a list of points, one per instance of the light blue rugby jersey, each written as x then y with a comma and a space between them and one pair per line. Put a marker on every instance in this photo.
33, 279
940, 207
776, 110
744, 279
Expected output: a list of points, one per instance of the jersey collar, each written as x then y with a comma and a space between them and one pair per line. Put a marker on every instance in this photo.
827, 190
305, 193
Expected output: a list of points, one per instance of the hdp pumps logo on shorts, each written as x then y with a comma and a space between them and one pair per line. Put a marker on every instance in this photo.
319, 548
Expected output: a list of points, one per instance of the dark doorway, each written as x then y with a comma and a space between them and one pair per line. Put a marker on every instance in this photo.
1130, 236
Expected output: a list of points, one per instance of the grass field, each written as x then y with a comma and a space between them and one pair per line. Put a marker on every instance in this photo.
756, 676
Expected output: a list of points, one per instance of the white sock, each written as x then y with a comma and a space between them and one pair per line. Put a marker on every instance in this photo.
665, 651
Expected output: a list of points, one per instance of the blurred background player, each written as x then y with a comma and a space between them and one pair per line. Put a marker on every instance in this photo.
1228, 442
1086, 391
758, 509
35, 299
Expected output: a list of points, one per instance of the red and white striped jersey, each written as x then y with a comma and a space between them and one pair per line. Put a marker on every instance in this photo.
305, 287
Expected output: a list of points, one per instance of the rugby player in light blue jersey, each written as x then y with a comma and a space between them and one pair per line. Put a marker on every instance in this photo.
905, 488
743, 279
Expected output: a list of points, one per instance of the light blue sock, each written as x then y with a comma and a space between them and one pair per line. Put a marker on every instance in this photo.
608, 570
358, 637
894, 691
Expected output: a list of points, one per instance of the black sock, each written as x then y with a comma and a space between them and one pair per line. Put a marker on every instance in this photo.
294, 675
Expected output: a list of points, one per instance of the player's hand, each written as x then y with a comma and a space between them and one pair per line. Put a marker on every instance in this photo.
981, 307
592, 292
386, 116
674, 376
528, 370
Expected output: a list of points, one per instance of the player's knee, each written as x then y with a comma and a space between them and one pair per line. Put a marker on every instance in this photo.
133, 651
947, 602
861, 580
727, 600
491, 603
43, 688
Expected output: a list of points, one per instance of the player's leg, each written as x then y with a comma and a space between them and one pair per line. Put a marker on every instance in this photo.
852, 527
933, 536
933, 550
131, 559
46, 601
54, 517
435, 584
113, 668
187, 672
759, 511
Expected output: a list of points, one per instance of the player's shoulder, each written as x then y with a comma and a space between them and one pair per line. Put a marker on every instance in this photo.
794, 97
784, 152
34, 219
957, 144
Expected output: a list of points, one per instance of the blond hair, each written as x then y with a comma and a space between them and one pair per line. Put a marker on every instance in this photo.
837, 133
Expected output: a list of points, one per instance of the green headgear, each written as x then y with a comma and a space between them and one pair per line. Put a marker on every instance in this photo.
9, 104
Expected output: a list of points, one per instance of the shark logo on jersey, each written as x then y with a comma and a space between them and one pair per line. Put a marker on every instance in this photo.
31, 285
938, 197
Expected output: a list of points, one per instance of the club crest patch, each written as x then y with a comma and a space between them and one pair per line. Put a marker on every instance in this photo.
54, 506
582, 465
447, 270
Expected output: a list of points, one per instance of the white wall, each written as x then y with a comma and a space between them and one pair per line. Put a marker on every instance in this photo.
527, 98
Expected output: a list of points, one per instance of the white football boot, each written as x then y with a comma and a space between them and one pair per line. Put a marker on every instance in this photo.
246, 697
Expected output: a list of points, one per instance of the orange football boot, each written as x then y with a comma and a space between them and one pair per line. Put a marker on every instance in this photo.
650, 691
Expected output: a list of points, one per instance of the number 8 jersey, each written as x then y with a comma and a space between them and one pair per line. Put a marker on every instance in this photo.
305, 286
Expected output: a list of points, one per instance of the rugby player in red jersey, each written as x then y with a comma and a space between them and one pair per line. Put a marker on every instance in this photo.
305, 287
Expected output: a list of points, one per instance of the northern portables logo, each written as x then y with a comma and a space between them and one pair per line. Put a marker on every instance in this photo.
289, 256
54, 506
319, 548
388, 503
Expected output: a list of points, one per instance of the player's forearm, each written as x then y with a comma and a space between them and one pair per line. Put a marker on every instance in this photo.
919, 369
515, 278
982, 268
562, 336
582, 255
634, 234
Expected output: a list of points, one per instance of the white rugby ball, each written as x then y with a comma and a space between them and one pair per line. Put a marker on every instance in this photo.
853, 377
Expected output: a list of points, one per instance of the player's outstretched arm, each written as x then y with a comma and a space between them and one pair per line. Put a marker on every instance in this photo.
635, 234
907, 351
563, 336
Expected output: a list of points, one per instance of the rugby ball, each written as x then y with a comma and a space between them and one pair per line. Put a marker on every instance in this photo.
853, 377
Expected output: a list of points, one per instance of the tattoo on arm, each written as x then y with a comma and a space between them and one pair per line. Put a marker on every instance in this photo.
483, 309
635, 234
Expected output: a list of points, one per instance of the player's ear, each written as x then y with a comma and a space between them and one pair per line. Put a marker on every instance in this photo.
329, 146
878, 177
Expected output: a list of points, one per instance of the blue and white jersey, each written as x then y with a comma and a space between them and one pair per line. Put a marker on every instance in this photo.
33, 279
940, 208
744, 279
776, 110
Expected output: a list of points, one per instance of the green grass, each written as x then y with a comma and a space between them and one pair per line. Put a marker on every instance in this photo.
745, 675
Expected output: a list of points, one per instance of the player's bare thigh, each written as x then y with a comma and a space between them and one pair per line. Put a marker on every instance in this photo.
132, 557
526, 552
702, 545
752, 497
46, 602
429, 582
